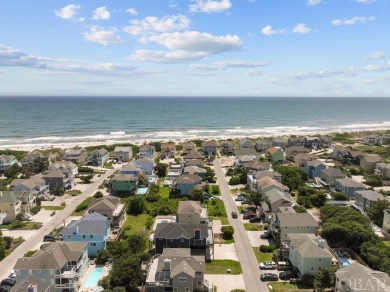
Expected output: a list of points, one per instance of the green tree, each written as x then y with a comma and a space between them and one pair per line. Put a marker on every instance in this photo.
98, 194
136, 206
2, 250
291, 176
136, 243
227, 231
299, 209
142, 180
340, 197
325, 278
196, 195
376, 212
58, 191
210, 174
255, 198
234, 180
161, 169
103, 256
86, 179
19, 218
126, 272
13, 171
373, 180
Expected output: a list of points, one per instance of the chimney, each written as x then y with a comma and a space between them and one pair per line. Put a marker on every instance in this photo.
321, 243
32, 288
167, 264
76, 230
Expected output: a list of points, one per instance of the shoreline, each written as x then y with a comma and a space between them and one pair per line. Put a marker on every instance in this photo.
29, 147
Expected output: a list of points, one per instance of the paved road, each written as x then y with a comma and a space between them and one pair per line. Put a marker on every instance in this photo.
35, 240
246, 256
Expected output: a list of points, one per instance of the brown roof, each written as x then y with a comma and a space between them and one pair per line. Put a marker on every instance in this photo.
372, 158
124, 177
189, 207
273, 150
266, 182
189, 179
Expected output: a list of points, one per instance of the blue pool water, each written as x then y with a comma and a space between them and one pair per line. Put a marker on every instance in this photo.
345, 261
141, 191
94, 277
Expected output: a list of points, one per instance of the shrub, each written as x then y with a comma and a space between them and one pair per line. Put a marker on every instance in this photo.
267, 248
227, 231
98, 194
35, 209
234, 180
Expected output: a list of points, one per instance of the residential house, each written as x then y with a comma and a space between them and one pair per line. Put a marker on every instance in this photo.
6, 161
308, 253
35, 162
301, 159
69, 169
294, 141
282, 143
35, 184
313, 168
197, 237
253, 177
131, 169
275, 199
242, 160
186, 183
245, 144
266, 183
283, 224
356, 278
386, 220
325, 142
227, 148
347, 156
195, 170
252, 166
146, 151
147, 165
373, 140
348, 186
168, 150
61, 265
382, 170
262, 145
124, 184
329, 176
188, 148
369, 161
293, 151
209, 148
311, 142
193, 155
94, 229
98, 157
275, 154
123, 154
365, 199
177, 270
12, 203
386, 139
76, 155
110, 207
191, 212
194, 162
56, 179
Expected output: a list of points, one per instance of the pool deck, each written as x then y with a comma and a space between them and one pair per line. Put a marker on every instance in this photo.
86, 275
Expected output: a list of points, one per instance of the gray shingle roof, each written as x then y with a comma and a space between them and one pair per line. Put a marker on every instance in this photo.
176, 230
93, 223
347, 182
296, 219
333, 172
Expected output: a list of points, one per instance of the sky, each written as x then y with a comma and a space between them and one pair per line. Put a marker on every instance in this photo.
311, 48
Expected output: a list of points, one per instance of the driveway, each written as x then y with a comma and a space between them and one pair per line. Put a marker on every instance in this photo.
226, 283
225, 252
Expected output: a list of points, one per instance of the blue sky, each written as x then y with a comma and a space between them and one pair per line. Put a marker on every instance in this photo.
315, 48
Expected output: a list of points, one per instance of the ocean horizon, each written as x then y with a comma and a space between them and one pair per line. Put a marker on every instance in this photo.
59, 120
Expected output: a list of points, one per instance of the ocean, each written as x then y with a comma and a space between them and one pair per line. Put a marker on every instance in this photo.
56, 120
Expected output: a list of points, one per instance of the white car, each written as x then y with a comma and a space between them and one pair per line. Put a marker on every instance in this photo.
267, 266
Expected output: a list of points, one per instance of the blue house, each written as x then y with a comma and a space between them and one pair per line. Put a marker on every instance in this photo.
348, 186
93, 229
131, 169
147, 165
313, 168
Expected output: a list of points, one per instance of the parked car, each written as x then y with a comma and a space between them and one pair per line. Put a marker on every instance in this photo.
12, 275
234, 215
255, 220
248, 216
245, 202
265, 235
267, 266
268, 277
27, 217
287, 275
8, 282
49, 238
215, 198
5, 288
240, 198
283, 266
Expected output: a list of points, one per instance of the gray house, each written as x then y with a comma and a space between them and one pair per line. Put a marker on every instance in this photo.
56, 179
364, 199
348, 186
177, 270
123, 154
313, 168
76, 155
209, 148
61, 265
329, 176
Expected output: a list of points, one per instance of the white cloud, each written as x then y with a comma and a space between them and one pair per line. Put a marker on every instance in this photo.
132, 11
222, 65
353, 20
153, 24
102, 36
365, 1
69, 12
101, 13
253, 73
172, 4
179, 56
10, 57
302, 29
210, 6
268, 30
313, 2
377, 55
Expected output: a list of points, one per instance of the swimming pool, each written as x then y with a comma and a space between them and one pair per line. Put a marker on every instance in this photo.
94, 277
344, 261
141, 191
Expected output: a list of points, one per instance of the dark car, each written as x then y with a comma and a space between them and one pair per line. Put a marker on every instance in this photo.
234, 215
265, 235
49, 238
268, 277
255, 220
245, 202
240, 198
5, 288
8, 282
287, 275
248, 216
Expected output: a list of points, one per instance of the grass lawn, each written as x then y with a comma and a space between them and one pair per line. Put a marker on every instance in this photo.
164, 192
73, 192
53, 208
160, 181
387, 243
262, 257
215, 190
80, 209
136, 224
220, 267
109, 165
281, 286
252, 227
22, 226
224, 220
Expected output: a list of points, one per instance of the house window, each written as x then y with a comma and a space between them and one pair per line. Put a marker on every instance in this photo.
51, 272
182, 239
84, 236
182, 279
320, 260
38, 271
198, 274
187, 289
92, 244
91, 236
200, 283
69, 237
297, 227
312, 269
175, 289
